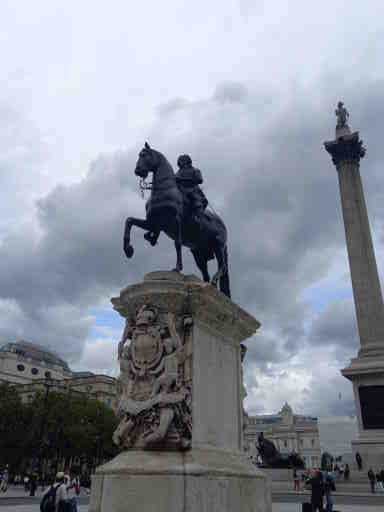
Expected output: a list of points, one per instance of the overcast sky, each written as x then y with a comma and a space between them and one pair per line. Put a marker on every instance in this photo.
248, 88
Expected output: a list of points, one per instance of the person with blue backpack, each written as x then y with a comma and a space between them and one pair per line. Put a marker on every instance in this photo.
55, 499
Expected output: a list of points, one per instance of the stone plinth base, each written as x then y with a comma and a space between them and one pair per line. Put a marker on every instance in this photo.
367, 373
191, 481
371, 448
279, 474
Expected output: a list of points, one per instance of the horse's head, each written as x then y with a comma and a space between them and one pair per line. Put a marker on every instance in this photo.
147, 162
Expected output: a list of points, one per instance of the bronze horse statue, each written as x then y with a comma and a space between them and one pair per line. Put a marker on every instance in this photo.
168, 211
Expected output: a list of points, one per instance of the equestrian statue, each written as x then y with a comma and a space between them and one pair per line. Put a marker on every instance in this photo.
178, 207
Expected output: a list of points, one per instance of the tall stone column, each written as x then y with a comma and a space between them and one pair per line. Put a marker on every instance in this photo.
367, 370
180, 408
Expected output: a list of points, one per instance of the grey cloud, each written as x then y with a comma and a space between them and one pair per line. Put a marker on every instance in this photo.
232, 92
336, 326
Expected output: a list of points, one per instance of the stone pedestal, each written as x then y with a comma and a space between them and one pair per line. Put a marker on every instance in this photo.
367, 376
201, 468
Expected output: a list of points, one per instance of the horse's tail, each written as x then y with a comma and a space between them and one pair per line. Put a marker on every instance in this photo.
224, 279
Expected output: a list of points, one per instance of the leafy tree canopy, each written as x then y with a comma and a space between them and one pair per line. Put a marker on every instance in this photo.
52, 425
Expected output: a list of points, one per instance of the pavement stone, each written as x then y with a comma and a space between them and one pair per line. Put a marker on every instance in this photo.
33, 508
277, 507
296, 507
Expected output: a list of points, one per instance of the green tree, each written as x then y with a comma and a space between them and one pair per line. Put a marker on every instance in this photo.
74, 425
13, 427
54, 426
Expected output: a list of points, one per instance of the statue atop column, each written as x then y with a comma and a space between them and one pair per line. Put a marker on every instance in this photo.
342, 115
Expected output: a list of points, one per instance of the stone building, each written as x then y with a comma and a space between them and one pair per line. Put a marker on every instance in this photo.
23, 362
32, 367
289, 432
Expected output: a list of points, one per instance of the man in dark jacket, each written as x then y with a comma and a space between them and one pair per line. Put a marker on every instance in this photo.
359, 461
189, 179
372, 479
317, 492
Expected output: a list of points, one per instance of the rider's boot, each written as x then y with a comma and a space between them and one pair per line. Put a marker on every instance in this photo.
199, 216
151, 237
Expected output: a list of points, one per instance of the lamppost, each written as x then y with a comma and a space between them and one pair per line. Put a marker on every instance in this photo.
48, 384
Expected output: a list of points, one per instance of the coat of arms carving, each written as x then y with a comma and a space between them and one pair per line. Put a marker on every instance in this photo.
155, 388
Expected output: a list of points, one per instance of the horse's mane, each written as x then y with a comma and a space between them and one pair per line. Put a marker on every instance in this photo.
164, 161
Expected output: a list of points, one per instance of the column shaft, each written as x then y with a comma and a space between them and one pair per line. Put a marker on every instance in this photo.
346, 152
362, 262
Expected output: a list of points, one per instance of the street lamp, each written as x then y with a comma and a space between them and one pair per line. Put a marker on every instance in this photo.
48, 383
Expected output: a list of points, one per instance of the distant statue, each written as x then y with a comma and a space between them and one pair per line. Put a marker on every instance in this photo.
272, 458
177, 206
342, 115
326, 461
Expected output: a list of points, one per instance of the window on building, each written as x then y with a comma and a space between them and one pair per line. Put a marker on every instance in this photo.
285, 444
313, 442
48, 375
301, 443
34, 371
20, 367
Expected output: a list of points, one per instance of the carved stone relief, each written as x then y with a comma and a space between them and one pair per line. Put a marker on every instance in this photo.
155, 381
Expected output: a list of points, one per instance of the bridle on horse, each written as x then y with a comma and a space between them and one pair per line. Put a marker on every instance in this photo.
144, 185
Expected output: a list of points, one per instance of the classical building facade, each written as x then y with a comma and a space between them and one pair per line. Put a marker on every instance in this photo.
33, 368
289, 432
23, 362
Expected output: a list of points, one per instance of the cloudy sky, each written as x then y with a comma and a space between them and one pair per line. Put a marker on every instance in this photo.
248, 88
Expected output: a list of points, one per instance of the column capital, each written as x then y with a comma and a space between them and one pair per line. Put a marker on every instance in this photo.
346, 149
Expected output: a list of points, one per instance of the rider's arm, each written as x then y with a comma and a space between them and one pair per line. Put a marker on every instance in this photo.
198, 177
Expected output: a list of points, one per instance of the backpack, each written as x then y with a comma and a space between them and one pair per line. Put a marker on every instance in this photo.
48, 501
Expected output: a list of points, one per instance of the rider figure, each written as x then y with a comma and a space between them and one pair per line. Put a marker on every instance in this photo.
188, 179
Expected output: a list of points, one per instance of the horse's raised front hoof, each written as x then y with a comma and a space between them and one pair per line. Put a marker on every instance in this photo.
177, 269
128, 249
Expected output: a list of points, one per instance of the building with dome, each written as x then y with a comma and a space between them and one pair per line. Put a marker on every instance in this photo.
23, 362
288, 431
32, 367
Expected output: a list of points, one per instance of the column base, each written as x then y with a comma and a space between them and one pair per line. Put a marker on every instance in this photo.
371, 448
193, 481
367, 375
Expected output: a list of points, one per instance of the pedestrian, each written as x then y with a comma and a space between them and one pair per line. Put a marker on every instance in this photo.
317, 492
296, 480
61, 503
347, 472
4, 480
329, 488
33, 484
372, 479
73, 490
359, 461
26, 483
55, 498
